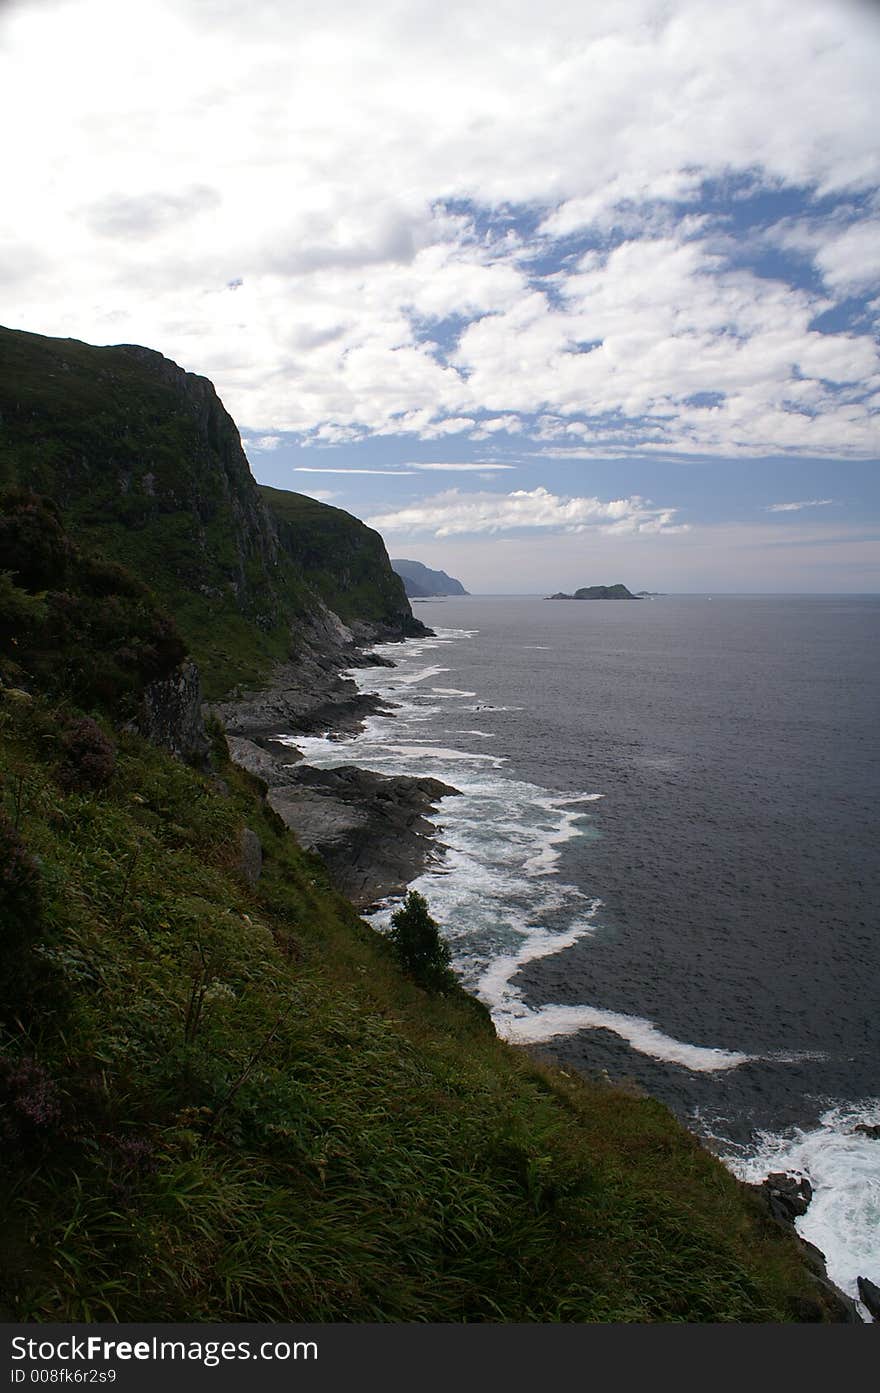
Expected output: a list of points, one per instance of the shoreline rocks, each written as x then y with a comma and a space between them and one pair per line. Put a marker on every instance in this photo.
371, 830
787, 1197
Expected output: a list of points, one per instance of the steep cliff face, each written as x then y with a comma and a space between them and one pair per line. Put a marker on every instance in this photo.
147, 466
344, 560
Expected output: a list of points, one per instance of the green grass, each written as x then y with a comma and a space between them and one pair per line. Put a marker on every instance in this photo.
317, 1139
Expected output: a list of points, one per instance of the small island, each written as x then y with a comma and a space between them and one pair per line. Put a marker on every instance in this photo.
597, 592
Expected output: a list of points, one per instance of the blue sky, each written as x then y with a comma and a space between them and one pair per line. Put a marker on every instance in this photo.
550, 295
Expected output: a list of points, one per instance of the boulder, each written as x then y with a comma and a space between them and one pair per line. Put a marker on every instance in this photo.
787, 1195
869, 1294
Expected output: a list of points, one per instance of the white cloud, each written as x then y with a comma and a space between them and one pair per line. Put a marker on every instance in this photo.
455, 513
322, 163
261, 443
478, 467
332, 469
797, 507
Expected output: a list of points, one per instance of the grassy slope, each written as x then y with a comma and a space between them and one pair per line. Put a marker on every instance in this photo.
329, 1143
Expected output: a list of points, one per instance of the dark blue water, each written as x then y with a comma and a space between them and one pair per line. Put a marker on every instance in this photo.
736, 849
708, 926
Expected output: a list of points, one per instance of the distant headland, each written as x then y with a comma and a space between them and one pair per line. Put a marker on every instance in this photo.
597, 592
420, 582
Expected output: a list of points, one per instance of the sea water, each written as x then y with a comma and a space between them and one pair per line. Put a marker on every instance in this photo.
663, 863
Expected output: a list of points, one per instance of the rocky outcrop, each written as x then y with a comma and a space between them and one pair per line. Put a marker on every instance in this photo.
787, 1197
307, 693
869, 1295
372, 830
171, 715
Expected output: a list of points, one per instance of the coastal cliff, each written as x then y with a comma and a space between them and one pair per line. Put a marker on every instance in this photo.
221, 1097
146, 466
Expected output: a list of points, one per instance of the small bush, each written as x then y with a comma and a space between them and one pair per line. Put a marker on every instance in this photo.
33, 543
417, 943
30, 1105
89, 757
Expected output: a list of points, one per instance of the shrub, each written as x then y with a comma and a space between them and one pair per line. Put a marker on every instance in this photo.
89, 757
30, 1105
33, 542
417, 943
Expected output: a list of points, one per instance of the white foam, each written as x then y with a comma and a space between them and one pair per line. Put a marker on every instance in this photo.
497, 891
843, 1166
502, 904
550, 1021
439, 753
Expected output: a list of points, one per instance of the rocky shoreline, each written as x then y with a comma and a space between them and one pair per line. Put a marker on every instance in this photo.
371, 830
373, 833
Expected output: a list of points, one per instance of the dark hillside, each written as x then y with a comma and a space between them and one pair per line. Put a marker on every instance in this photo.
146, 464
344, 560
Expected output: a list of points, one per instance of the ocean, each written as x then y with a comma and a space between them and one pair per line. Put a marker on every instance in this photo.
664, 863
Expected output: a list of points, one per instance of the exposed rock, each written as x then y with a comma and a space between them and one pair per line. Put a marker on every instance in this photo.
251, 864
260, 758
788, 1196
372, 830
869, 1294
171, 715
865, 1129
307, 694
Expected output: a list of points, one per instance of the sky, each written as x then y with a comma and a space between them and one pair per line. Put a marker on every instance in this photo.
551, 295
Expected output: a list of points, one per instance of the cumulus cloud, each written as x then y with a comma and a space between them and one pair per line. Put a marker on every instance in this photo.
340, 469
475, 467
454, 513
796, 507
145, 215
406, 231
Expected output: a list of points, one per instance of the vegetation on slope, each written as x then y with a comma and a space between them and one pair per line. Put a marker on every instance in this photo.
222, 1100
347, 565
146, 465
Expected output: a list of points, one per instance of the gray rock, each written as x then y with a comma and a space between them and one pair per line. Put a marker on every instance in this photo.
251, 864
171, 715
869, 1294
269, 764
788, 1196
372, 830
